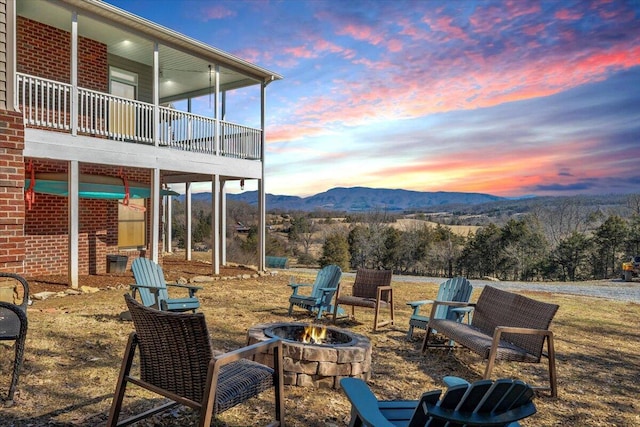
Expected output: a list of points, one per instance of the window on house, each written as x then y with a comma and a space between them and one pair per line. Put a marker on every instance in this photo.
132, 224
123, 83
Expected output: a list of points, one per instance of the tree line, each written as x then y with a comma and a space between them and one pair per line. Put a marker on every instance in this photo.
566, 241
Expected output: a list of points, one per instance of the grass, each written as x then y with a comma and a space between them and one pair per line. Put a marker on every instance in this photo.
75, 346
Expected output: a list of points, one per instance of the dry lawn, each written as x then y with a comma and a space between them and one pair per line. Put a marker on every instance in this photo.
75, 346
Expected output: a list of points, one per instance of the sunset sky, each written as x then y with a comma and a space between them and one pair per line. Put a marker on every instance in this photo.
508, 98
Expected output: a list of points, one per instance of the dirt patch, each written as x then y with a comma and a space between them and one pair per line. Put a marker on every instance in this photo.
174, 268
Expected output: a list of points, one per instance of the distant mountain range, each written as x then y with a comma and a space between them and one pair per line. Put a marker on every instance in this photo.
360, 199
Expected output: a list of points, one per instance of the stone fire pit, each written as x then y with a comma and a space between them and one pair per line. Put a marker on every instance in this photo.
316, 365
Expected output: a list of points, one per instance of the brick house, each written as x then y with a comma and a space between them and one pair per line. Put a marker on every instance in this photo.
96, 123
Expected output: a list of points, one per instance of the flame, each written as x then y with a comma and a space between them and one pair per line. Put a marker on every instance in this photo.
314, 334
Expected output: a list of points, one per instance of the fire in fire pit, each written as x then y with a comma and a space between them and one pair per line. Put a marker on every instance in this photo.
310, 334
314, 363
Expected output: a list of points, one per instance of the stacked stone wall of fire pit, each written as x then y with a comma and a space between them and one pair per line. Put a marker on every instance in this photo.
317, 365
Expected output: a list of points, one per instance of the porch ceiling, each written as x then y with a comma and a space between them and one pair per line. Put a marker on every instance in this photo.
184, 73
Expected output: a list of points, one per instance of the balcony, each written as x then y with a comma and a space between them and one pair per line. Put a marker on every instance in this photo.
51, 105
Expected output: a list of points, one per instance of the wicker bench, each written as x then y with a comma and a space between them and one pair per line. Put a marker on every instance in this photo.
277, 262
505, 326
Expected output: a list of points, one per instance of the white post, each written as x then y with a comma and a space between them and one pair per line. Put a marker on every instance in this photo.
215, 226
156, 95
262, 198
155, 214
73, 187
74, 74
223, 222
169, 223
187, 211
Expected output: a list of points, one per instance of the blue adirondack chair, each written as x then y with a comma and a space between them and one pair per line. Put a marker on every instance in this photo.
483, 403
456, 289
153, 288
322, 292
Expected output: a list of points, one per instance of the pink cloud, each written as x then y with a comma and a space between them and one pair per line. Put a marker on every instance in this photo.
216, 12
533, 30
362, 32
300, 52
568, 15
445, 25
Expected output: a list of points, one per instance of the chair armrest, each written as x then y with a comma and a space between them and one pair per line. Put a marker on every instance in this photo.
524, 331
299, 285
295, 287
382, 289
415, 304
363, 402
248, 351
190, 287
418, 304
460, 312
459, 304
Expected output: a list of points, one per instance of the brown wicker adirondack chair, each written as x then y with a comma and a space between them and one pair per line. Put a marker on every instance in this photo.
371, 289
177, 361
13, 325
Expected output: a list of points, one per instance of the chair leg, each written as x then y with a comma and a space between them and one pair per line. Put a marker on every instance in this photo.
551, 354
410, 332
425, 342
391, 306
375, 317
17, 365
125, 368
278, 384
290, 309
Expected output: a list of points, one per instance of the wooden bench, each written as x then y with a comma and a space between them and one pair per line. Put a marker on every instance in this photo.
277, 262
505, 326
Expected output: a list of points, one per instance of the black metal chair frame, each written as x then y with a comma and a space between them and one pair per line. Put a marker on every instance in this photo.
13, 326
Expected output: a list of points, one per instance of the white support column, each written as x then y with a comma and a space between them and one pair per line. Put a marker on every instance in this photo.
216, 194
168, 224
73, 186
223, 222
216, 110
74, 74
155, 214
187, 212
156, 94
262, 199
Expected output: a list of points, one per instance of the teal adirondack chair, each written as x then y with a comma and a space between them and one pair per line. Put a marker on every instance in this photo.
482, 403
152, 287
456, 289
322, 292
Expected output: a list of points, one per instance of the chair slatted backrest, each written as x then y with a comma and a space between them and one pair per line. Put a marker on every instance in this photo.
175, 349
328, 277
484, 402
148, 273
524, 312
456, 289
367, 282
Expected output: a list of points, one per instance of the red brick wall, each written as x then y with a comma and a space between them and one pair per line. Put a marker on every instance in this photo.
12, 245
45, 51
46, 227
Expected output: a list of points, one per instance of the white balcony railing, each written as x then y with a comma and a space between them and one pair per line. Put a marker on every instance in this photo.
49, 104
